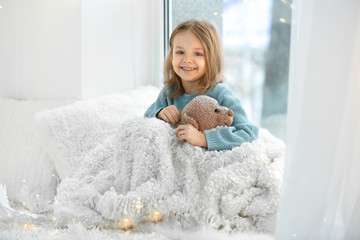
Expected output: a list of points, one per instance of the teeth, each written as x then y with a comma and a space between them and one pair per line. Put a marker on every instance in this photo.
188, 69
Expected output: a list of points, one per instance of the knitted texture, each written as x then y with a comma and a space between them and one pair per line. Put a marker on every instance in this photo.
241, 130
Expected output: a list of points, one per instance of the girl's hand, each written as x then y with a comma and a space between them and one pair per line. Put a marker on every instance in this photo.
193, 136
170, 114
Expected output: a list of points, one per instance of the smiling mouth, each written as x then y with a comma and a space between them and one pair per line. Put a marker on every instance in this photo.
188, 69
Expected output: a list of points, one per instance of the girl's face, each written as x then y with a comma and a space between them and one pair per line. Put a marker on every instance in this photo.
188, 59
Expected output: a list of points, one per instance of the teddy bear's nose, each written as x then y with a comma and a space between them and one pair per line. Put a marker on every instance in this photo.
230, 113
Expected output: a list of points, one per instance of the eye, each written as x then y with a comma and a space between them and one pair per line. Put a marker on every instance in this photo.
217, 110
198, 54
180, 52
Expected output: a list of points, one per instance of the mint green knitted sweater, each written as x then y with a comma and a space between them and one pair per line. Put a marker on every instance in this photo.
221, 139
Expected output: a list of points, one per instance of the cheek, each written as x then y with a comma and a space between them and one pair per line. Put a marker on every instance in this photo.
175, 60
201, 63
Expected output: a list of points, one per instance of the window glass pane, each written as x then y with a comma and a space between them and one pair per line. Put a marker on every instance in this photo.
256, 39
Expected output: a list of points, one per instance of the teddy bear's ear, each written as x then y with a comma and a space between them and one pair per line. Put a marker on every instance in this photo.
186, 119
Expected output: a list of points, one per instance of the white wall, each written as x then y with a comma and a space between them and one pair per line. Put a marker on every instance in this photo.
122, 45
7, 49
78, 49
106, 47
40, 48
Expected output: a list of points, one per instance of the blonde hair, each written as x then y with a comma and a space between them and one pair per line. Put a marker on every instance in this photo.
210, 40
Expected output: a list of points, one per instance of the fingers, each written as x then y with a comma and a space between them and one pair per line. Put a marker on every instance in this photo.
190, 134
183, 131
170, 114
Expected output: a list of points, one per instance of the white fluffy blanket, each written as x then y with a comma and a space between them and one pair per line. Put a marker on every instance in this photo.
144, 167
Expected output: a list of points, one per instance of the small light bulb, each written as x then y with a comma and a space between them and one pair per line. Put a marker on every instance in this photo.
29, 226
126, 224
156, 217
283, 20
215, 13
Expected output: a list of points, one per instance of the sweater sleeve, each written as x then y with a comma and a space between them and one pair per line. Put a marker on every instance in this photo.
241, 130
157, 106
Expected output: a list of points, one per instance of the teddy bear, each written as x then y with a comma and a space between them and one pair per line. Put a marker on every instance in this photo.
204, 113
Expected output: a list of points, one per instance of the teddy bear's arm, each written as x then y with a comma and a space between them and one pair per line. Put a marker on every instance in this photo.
186, 119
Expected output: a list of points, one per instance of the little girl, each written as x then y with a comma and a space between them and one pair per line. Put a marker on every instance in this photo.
193, 67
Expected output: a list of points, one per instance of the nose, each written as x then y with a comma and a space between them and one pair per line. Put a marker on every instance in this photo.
230, 113
187, 59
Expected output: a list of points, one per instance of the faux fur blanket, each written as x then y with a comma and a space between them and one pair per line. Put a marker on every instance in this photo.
144, 167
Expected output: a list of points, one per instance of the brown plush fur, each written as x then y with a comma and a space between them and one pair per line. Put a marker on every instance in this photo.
204, 113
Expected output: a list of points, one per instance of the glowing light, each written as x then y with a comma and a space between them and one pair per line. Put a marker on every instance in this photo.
56, 233
23, 181
283, 20
292, 6
53, 218
325, 219
215, 13
294, 235
126, 224
284, 1
156, 217
29, 226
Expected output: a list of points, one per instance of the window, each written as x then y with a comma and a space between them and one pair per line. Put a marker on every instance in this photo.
256, 41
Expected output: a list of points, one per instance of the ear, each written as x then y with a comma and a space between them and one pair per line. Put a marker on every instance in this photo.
186, 119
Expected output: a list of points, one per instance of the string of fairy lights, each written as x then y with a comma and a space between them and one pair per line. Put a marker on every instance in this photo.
124, 224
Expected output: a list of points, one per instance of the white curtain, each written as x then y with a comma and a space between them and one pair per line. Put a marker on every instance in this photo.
321, 195
147, 41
